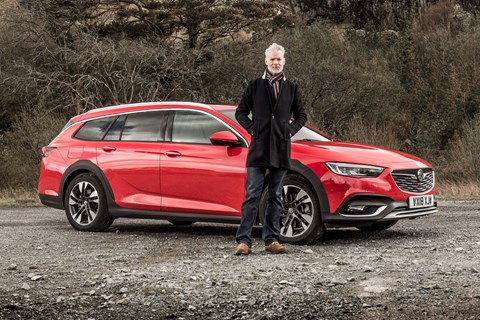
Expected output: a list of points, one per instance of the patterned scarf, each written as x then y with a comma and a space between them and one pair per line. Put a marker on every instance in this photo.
274, 81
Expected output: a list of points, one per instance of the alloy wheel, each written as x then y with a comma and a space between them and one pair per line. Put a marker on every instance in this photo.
297, 212
83, 203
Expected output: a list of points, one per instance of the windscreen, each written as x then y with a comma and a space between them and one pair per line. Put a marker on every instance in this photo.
304, 134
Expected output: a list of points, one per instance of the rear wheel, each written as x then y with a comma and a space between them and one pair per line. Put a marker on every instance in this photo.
379, 226
300, 218
86, 204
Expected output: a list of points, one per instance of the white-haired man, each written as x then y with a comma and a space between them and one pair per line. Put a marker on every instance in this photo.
273, 101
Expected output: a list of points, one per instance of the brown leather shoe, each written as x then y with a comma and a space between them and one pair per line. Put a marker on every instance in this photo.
242, 248
276, 248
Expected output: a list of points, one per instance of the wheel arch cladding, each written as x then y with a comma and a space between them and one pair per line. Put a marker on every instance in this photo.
85, 166
299, 168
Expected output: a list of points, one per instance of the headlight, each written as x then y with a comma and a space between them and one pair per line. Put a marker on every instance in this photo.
354, 170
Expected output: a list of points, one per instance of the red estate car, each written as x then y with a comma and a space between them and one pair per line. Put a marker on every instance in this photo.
185, 162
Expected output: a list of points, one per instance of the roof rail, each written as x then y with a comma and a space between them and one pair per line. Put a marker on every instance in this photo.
159, 103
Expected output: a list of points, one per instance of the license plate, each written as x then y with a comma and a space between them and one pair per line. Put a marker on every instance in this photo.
420, 201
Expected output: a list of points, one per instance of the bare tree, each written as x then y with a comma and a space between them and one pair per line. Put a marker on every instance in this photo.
197, 23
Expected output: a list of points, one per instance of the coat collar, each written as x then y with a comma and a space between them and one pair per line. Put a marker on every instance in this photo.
265, 75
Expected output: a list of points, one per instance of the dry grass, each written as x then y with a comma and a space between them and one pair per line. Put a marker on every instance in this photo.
15, 198
458, 190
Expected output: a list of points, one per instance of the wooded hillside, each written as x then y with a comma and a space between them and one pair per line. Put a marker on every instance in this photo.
399, 73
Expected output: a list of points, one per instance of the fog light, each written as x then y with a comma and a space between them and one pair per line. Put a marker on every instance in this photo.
364, 210
356, 208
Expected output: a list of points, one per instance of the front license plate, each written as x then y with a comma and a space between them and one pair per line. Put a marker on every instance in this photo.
420, 201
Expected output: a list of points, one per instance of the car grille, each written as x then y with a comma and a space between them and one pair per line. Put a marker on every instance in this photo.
408, 180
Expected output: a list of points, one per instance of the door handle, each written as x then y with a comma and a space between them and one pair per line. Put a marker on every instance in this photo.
109, 148
173, 153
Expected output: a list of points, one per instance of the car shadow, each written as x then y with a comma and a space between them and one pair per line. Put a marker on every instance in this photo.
162, 227
344, 236
349, 236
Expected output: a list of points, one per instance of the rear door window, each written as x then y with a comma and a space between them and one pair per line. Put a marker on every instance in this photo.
144, 126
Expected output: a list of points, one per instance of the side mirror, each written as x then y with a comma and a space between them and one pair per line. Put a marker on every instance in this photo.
224, 138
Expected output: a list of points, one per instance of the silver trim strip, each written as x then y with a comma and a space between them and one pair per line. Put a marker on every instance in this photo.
395, 215
159, 103
146, 104
163, 109
408, 214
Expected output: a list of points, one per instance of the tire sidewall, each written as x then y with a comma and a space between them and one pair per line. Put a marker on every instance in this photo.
98, 224
316, 228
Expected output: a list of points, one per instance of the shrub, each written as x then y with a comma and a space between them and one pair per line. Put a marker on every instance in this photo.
381, 134
341, 78
442, 89
463, 161
33, 128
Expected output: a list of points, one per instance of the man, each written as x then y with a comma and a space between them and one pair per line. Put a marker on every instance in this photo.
272, 100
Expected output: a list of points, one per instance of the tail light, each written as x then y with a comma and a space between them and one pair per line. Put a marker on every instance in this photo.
46, 151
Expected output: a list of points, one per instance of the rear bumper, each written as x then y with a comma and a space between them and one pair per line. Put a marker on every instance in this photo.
51, 201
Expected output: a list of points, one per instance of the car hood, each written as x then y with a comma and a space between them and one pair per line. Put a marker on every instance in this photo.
357, 153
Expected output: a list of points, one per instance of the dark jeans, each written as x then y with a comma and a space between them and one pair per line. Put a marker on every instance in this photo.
254, 184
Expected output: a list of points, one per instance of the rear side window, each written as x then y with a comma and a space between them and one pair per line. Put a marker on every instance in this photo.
144, 126
94, 130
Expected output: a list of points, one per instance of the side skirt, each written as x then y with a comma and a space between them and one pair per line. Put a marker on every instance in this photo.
119, 212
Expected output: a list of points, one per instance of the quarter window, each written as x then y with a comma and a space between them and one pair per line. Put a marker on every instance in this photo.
195, 127
95, 129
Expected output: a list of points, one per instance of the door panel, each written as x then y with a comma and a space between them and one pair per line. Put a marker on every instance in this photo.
133, 170
203, 178
196, 176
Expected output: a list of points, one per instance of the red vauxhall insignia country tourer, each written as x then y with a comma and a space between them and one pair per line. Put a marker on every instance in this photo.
185, 162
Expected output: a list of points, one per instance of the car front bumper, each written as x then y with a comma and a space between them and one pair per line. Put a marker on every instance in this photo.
375, 208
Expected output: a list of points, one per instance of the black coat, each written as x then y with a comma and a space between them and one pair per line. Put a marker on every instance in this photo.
269, 126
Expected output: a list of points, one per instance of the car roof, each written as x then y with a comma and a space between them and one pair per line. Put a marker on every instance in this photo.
122, 108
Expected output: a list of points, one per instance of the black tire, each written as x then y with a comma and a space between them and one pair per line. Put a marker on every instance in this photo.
181, 223
379, 226
86, 204
301, 222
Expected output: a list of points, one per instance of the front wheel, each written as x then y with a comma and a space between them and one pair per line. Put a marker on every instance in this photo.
86, 204
300, 218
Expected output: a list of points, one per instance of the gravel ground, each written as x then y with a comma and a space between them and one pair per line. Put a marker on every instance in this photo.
428, 268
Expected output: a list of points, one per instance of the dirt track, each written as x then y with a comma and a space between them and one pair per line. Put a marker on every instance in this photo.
428, 268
